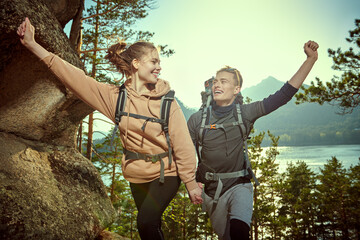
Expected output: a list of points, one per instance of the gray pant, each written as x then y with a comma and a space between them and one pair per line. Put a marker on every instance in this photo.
235, 203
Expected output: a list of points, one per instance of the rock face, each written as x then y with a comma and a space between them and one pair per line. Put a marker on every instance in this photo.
49, 192
47, 189
33, 104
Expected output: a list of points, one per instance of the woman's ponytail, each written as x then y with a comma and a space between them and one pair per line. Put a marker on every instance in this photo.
115, 56
122, 56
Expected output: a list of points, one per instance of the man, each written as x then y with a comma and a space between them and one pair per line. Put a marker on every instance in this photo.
219, 134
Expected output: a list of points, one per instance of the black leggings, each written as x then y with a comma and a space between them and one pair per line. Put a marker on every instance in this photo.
239, 230
151, 200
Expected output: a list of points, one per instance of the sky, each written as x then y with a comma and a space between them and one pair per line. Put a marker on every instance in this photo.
260, 38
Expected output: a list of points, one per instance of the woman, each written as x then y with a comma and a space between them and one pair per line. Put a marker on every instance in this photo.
140, 64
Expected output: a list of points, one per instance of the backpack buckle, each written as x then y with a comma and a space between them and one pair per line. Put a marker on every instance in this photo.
165, 127
153, 158
213, 126
211, 176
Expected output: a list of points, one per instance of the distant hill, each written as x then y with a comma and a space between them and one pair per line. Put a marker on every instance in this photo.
186, 110
304, 124
263, 89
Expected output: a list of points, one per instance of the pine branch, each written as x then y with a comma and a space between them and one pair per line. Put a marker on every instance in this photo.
94, 50
101, 14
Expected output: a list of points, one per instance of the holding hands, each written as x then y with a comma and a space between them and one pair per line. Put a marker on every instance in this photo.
195, 195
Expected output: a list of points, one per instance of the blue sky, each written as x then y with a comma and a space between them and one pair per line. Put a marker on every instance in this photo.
261, 38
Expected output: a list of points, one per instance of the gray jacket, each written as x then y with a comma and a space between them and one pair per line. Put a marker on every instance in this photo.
222, 149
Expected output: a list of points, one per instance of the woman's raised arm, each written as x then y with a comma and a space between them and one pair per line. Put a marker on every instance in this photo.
26, 32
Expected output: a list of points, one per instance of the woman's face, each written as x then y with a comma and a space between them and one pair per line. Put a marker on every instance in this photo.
149, 67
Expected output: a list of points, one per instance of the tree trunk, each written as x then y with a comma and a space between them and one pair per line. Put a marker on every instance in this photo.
76, 26
184, 223
90, 136
93, 75
79, 137
113, 173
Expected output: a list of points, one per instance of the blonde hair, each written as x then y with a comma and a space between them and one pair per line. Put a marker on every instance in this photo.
237, 75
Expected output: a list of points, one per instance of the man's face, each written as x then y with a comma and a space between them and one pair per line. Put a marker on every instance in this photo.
224, 89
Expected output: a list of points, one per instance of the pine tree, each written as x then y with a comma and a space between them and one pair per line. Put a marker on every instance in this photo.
342, 91
297, 201
354, 194
265, 217
184, 220
107, 159
175, 216
334, 201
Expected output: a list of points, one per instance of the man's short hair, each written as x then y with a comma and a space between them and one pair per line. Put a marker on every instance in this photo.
237, 75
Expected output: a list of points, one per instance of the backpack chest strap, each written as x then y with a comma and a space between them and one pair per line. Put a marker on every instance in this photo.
221, 126
149, 158
138, 116
218, 176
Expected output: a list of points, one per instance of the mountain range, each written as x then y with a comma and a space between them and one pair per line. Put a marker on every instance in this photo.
300, 125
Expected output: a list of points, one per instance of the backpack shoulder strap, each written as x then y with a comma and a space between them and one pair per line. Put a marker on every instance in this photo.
166, 101
120, 105
165, 106
205, 116
206, 110
238, 117
245, 133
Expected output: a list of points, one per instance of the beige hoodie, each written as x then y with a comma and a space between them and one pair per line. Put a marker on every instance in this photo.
103, 97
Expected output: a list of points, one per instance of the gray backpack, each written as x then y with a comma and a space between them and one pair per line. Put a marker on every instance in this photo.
166, 101
205, 126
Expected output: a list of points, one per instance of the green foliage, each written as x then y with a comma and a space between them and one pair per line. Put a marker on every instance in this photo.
354, 196
297, 204
296, 190
105, 24
333, 197
342, 91
184, 220
265, 216
107, 159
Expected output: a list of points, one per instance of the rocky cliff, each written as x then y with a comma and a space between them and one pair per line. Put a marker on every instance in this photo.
47, 189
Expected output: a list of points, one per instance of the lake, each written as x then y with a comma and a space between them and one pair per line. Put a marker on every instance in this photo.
316, 156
